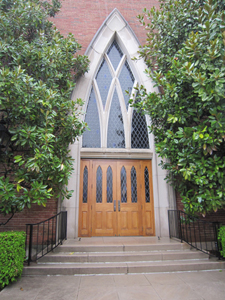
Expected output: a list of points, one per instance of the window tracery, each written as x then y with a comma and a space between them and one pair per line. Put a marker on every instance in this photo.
123, 127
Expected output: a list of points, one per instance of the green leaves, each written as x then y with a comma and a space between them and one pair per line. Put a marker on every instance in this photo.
12, 256
185, 44
38, 67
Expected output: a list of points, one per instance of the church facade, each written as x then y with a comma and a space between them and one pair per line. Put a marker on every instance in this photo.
118, 185
119, 189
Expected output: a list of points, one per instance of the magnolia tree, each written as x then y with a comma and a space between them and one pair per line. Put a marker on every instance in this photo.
185, 55
38, 68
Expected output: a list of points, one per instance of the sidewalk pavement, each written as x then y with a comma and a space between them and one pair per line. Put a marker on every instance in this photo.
207, 285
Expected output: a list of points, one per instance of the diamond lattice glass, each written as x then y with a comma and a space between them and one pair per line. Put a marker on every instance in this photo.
126, 79
99, 185
147, 192
115, 136
103, 79
85, 184
139, 131
133, 185
91, 139
114, 53
109, 185
123, 180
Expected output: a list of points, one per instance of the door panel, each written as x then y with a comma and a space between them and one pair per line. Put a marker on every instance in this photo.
129, 216
85, 203
147, 196
119, 198
103, 216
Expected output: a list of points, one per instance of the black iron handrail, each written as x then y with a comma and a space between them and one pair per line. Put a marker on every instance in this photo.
199, 234
43, 237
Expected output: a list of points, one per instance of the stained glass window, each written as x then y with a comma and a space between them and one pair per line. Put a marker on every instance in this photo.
85, 185
126, 79
109, 185
133, 185
104, 79
99, 185
139, 131
114, 125
115, 136
114, 53
92, 138
147, 191
123, 180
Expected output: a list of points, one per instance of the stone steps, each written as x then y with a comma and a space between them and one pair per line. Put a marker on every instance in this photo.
121, 256
122, 267
122, 248
97, 257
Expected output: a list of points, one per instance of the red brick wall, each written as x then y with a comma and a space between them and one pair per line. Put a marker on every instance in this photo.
34, 215
84, 18
218, 216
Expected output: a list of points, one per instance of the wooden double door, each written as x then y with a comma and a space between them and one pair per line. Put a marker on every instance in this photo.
116, 198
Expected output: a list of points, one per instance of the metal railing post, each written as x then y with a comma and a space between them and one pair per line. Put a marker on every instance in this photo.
169, 223
181, 237
65, 225
216, 226
30, 244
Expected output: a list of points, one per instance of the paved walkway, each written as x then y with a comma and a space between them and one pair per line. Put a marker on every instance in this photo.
207, 285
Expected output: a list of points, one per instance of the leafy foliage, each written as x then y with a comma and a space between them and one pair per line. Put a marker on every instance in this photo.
221, 237
38, 68
12, 256
185, 55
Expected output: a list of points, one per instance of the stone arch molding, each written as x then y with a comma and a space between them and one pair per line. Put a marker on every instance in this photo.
116, 27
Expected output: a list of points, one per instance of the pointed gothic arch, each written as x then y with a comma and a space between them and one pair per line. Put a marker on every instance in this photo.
114, 34
114, 28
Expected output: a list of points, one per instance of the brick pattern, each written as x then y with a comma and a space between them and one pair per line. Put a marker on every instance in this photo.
218, 216
34, 215
84, 18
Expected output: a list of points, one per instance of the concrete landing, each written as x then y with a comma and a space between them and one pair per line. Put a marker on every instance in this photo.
203, 285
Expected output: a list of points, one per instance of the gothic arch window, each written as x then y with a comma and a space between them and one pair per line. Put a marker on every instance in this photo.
113, 123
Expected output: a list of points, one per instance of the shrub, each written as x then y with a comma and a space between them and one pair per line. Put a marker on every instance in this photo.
221, 236
12, 255
184, 53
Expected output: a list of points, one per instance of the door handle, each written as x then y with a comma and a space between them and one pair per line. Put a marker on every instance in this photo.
118, 205
114, 205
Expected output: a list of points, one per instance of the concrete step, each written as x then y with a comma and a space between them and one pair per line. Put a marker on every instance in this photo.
72, 257
122, 248
122, 267
122, 255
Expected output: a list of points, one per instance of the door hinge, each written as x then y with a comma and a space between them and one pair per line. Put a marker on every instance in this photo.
91, 206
